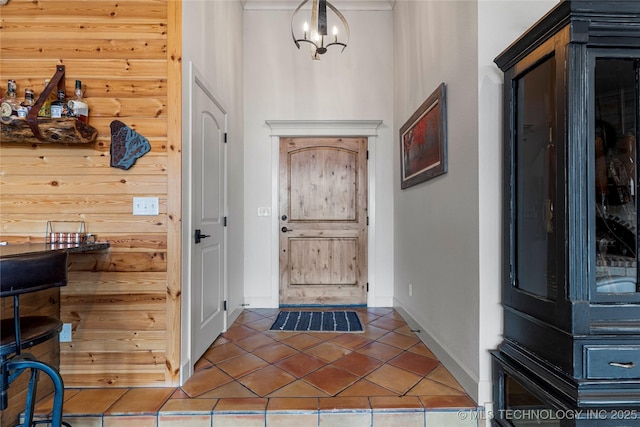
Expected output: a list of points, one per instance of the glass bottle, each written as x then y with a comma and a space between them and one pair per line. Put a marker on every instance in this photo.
77, 106
58, 106
5, 108
28, 102
45, 110
10, 102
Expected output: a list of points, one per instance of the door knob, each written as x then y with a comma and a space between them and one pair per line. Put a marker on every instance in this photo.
200, 236
285, 229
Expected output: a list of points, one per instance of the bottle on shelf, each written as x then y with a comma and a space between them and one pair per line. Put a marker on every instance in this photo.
28, 102
45, 110
78, 108
5, 108
58, 107
10, 102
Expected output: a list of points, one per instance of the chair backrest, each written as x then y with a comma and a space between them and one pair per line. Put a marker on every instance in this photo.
23, 273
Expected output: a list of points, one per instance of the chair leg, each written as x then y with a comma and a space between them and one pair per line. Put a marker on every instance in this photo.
58, 389
31, 397
4, 384
7, 376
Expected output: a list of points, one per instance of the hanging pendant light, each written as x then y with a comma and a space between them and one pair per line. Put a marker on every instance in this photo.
316, 33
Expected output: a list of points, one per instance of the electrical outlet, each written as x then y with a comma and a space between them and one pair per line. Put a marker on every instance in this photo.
145, 206
65, 334
410, 290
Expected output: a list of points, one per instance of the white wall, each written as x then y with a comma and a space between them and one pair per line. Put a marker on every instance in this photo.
448, 230
436, 222
212, 40
499, 24
283, 83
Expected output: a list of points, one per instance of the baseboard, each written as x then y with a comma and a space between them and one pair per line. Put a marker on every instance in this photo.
233, 315
269, 303
256, 302
381, 302
327, 306
466, 380
185, 371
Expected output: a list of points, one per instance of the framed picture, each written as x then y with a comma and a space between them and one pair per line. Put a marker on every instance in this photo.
423, 141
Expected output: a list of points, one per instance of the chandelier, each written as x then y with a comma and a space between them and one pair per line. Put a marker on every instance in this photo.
316, 33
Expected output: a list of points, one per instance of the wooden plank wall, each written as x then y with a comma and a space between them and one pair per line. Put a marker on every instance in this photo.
124, 303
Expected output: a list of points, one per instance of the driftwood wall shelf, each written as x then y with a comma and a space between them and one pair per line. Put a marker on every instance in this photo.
66, 130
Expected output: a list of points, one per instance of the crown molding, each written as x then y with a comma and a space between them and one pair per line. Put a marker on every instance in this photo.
360, 5
324, 127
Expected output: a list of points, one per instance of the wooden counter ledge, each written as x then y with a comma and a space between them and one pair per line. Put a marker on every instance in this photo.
26, 248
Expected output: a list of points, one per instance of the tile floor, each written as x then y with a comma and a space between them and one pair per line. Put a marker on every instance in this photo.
251, 376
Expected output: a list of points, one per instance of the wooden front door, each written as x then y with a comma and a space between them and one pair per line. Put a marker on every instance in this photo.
323, 221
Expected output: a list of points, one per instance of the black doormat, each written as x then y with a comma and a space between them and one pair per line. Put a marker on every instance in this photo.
318, 321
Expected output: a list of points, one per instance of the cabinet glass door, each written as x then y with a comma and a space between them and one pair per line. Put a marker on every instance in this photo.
535, 181
616, 179
522, 408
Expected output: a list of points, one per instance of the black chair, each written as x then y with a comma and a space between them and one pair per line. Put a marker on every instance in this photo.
22, 274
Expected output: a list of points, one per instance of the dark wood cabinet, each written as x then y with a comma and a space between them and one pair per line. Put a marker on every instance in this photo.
571, 291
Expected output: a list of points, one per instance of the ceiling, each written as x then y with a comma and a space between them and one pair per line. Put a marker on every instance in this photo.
340, 4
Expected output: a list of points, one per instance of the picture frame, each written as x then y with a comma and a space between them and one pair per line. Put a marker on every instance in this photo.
423, 141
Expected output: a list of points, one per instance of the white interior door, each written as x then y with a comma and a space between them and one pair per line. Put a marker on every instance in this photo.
208, 218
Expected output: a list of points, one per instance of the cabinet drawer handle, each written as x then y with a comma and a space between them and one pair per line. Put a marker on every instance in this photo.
625, 365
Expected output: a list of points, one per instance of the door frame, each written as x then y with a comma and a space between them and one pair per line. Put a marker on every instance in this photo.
186, 362
321, 128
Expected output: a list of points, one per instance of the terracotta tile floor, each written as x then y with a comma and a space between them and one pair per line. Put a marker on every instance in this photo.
251, 376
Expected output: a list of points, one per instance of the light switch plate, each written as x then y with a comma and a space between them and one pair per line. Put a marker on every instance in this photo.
264, 211
65, 334
145, 206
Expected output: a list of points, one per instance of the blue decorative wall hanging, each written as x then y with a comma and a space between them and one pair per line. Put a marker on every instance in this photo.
127, 145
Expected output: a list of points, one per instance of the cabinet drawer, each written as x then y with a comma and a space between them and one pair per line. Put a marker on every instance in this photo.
606, 361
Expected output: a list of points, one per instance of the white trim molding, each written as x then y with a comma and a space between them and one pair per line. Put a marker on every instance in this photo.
284, 128
358, 5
